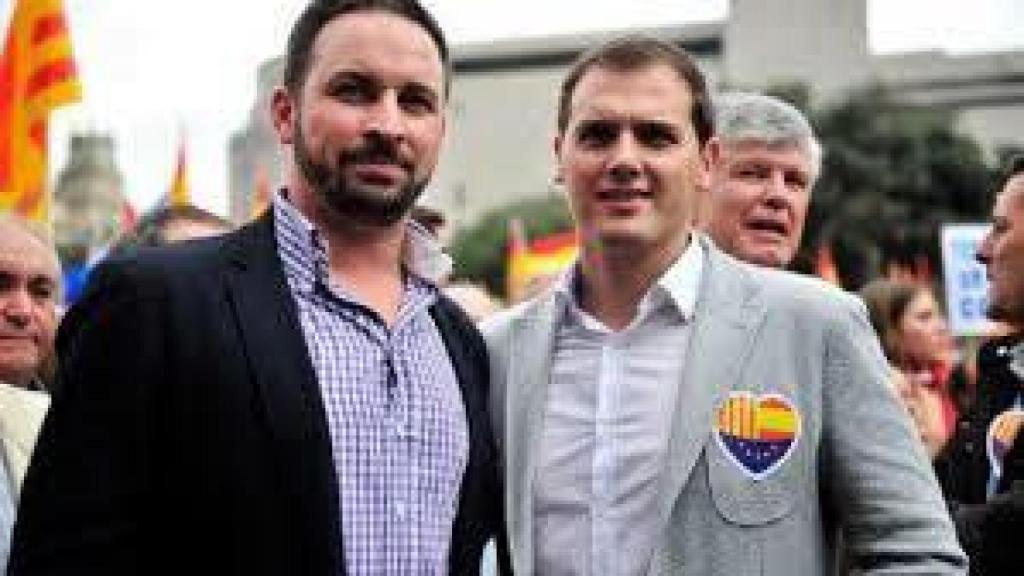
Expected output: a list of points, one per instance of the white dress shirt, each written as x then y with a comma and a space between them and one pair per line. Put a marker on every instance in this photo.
605, 427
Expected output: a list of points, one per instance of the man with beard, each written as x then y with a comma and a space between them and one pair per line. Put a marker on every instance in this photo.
295, 397
982, 468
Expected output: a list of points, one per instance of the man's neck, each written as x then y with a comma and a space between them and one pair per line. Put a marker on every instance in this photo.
615, 279
366, 260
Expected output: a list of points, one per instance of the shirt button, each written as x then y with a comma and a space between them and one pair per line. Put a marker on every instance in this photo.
399, 508
399, 428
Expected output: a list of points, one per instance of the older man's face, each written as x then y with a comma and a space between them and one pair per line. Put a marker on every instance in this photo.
759, 199
29, 280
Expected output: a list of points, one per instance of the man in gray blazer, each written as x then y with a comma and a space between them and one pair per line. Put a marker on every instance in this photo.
666, 409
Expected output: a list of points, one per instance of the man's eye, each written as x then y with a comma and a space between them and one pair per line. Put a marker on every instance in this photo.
796, 181
596, 134
751, 173
656, 135
42, 290
417, 103
353, 92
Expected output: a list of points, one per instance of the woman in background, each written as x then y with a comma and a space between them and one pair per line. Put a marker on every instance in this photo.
916, 340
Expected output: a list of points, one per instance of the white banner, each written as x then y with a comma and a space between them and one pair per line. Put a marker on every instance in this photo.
965, 281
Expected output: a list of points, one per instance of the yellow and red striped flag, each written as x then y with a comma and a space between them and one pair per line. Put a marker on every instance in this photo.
180, 193
539, 260
37, 75
260, 193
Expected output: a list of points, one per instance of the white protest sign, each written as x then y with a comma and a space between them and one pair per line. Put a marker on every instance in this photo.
966, 284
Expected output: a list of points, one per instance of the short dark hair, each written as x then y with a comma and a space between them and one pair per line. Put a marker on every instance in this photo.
150, 230
318, 13
634, 52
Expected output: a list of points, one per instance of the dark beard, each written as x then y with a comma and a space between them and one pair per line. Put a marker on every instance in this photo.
357, 203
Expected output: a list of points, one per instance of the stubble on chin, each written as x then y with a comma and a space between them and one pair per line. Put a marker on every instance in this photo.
341, 199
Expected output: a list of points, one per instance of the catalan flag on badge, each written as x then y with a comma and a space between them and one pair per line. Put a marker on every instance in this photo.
757, 433
37, 75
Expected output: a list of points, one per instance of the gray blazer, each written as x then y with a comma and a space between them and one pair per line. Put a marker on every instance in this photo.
856, 464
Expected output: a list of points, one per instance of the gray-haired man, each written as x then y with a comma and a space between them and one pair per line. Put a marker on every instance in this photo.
761, 183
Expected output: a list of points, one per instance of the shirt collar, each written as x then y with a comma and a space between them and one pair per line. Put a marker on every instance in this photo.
676, 287
304, 250
1017, 360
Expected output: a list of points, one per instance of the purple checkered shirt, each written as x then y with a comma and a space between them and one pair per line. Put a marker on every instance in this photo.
397, 422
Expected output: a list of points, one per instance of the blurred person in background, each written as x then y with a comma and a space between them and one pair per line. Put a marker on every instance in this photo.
982, 469
916, 340
29, 292
761, 182
168, 224
158, 227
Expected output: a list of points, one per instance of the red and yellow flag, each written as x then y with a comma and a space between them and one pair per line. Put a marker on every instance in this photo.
825, 265
540, 260
180, 193
260, 193
37, 75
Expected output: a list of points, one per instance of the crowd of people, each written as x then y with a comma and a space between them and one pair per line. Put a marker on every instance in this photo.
305, 394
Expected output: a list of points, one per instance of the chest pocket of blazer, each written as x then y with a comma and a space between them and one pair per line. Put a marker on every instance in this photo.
746, 501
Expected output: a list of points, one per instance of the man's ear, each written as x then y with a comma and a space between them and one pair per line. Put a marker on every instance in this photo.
711, 156
282, 114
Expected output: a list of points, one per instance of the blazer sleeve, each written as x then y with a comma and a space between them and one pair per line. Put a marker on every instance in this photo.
83, 508
875, 471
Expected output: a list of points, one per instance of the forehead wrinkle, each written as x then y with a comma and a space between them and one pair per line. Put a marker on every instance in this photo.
640, 94
20, 246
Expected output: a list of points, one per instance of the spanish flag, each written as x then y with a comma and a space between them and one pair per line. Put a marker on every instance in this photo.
37, 75
180, 193
536, 261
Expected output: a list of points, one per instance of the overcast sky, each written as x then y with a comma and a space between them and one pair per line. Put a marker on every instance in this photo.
156, 71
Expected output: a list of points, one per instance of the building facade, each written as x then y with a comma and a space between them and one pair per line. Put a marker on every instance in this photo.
504, 94
88, 201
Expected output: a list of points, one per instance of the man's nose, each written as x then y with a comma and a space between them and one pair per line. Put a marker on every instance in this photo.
776, 194
386, 117
625, 160
16, 307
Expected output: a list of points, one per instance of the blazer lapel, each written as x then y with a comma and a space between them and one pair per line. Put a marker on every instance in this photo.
286, 383
728, 315
529, 373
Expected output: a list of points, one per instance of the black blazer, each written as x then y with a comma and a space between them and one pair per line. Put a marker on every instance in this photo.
989, 530
187, 433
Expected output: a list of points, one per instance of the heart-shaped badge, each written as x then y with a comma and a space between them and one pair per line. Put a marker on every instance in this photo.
1002, 433
758, 433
